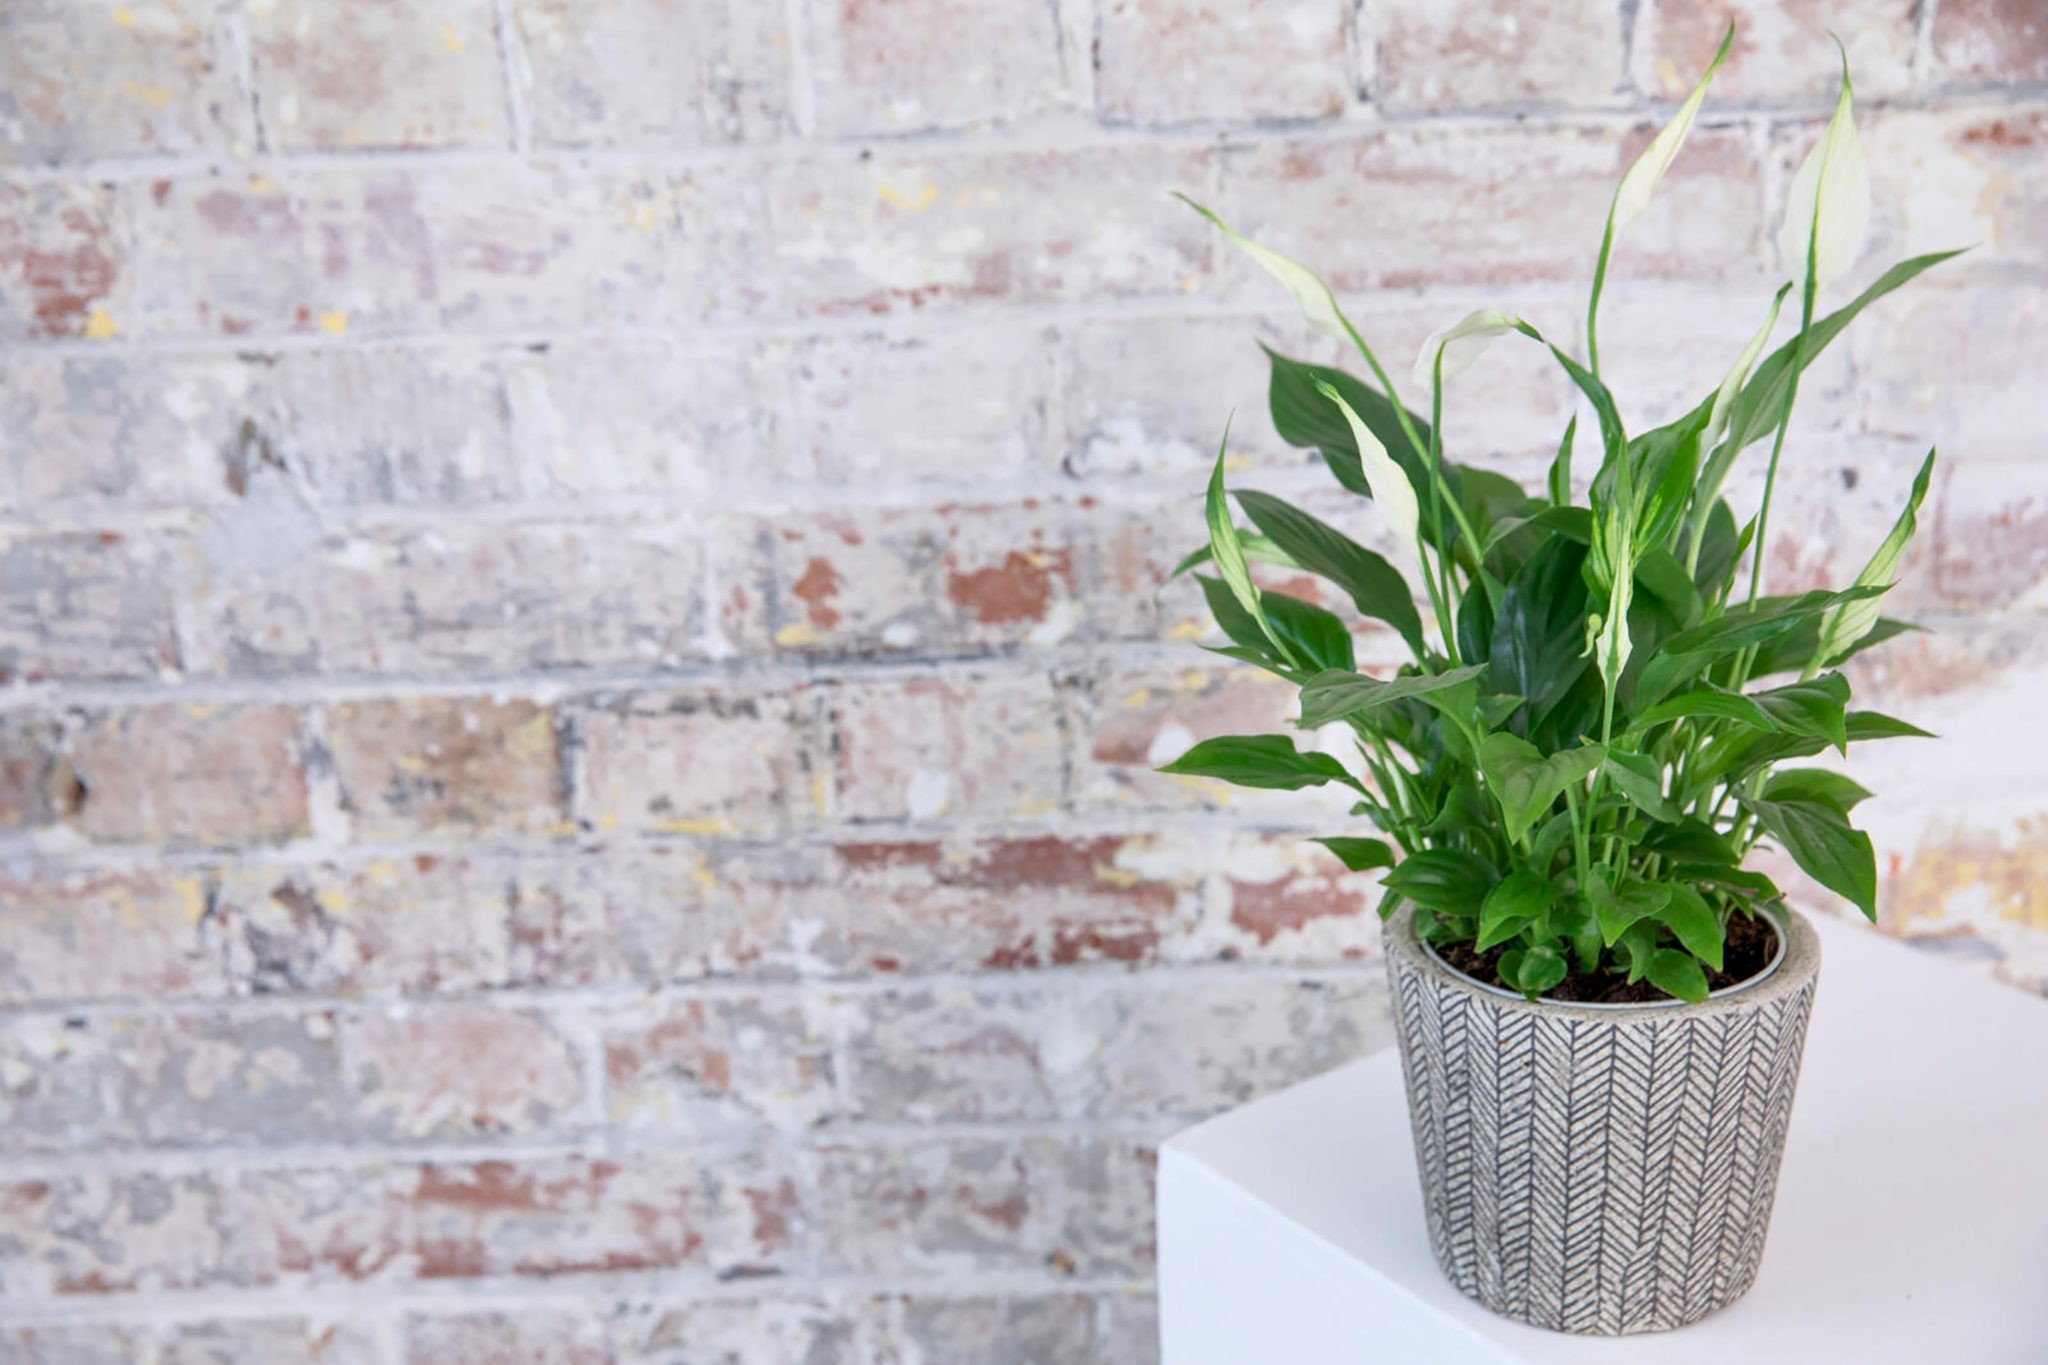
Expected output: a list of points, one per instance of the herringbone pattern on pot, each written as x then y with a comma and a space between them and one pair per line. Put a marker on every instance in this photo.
1598, 1172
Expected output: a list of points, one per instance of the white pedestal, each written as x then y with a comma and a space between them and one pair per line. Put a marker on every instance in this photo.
1911, 1222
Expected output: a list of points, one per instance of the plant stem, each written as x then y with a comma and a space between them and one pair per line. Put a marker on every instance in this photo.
1593, 303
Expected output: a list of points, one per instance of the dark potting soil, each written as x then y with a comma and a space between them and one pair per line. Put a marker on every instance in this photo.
1748, 950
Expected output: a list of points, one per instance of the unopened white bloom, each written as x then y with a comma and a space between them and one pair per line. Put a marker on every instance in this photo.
1641, 181
1832, 186
1460, 343
1390, 486
1313, 297
1738, 374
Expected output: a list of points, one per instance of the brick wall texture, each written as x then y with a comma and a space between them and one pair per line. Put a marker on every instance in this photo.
581, 634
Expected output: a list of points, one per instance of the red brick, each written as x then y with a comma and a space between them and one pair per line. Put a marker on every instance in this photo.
1139, 718
381, 73
654, 71
1191, 61
37, 787
1076, 1205
1465, 54
465, 245
1782, 54
1494, 206
1004, 904
107, 935
454, 599
468, 764
65, 267
705, 1067
458, 1072
969, 576
85, 82
980, 396
190, 774
1987, 41
414, 925
85, 604
893, 232
926, 748
893, 66
530, 1337
678, 763
658, 1210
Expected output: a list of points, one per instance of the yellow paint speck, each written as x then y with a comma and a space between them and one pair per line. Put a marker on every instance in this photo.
702, 874
1189, 630
334, 322
818, 800
449, 39
1237, 464
1141, 697
641, 217
156, 97
706, 825
124, 17
796, 633
100, 325
926, 196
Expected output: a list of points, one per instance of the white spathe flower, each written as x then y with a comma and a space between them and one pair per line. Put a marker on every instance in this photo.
1738, 374
1828, 206
1640, 183
1390, 486
1460, 343
1311, 295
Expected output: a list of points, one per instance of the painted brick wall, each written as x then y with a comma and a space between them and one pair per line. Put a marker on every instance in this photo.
581, 647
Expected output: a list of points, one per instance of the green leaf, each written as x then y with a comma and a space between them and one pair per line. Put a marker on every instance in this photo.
1360, 855
1817, 707
1538, 637
1539, 969
1865, 725
1257, 549
1520, 897
1687, 915
1736, 881
1639, 946
1678, 974
1816, 784
1305, 418
1706, 700
1314, 636
1376, 588
1228, 552
1620, 907
1573, 523
1755, 411
1843, 626
1443, 879
1689, 652
1689, 841
1265, 761
1526, 781
1641, 779
1821, 841
1337, 695
1797, 647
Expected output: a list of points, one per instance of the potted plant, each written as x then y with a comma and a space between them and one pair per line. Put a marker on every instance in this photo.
1600, 1008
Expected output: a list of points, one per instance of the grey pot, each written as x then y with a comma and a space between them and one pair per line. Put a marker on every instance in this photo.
1599, 1169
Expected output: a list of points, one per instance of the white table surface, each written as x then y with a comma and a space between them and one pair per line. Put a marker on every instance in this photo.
1911, 1220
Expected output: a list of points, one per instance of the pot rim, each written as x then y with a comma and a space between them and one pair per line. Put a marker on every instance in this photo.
1796, 962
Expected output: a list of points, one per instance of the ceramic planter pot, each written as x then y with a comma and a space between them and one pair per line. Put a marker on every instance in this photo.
1599, 1169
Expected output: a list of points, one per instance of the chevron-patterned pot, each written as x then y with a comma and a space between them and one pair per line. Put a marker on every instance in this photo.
1604, 1169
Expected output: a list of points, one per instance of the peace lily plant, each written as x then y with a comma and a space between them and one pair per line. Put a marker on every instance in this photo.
1606, 709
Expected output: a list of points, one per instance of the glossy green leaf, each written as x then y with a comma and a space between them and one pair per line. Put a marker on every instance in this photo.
1821, 841
1526, 781
1318, 638
1687, 915
1816, 707
1844, 626
1517, 899
1338, 695
1537, 645
1359, 855
1640, 778
1305, 418
1816, 784
1257, 549
1266, 761
1539, 969
1618, 907
1375, 587
1227, 552
1706, 701
1678, 974
1391, 488
1443, 879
